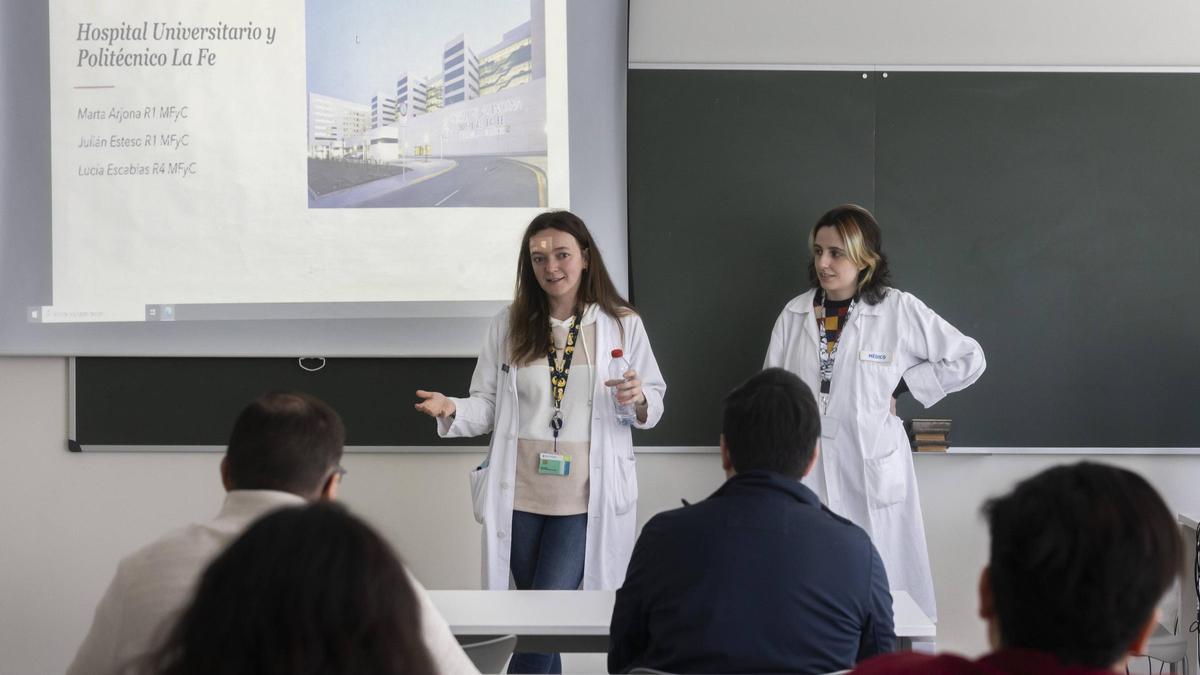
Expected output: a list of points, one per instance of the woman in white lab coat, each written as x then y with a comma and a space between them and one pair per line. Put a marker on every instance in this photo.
859, 343
557, 492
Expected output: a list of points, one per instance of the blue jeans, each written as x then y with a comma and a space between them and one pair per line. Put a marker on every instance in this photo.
547, 555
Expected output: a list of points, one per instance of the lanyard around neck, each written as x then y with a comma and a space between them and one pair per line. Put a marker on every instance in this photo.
559, 372
826, 355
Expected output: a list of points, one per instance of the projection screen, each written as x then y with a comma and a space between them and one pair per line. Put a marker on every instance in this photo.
318, 177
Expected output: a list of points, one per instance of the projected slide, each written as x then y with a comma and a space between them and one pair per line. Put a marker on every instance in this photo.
239, 160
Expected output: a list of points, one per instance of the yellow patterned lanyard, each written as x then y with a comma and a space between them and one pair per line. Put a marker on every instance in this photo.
559, 372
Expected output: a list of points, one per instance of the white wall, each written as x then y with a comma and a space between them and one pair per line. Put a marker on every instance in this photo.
916, 32
953, 487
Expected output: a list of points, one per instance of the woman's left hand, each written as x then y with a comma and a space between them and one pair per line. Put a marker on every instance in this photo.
629, 390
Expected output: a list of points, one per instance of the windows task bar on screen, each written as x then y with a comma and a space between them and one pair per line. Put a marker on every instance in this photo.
62, 314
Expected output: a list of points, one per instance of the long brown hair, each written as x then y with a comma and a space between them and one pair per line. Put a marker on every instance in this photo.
529, 316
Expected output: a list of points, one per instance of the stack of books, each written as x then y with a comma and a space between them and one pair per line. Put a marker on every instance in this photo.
929, 435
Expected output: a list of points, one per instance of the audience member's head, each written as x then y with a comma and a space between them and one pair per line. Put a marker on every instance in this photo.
308, 589
770, 422
286, 441
1080, 557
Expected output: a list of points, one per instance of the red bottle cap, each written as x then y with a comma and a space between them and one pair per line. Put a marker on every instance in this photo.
617, 353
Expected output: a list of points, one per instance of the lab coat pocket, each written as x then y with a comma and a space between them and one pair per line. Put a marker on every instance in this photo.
479, 492
887, 478
625, 487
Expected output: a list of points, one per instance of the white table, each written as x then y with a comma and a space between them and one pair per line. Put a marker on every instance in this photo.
910, 621
577, 621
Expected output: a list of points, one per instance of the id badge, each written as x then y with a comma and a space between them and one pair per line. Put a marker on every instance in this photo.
551, 464
829, 427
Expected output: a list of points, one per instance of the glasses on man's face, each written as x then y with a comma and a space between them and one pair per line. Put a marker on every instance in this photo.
341, 472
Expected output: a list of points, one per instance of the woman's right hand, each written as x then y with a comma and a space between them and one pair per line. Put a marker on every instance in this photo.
434, 404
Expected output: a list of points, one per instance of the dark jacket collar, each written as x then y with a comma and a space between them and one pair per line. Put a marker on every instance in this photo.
761, 481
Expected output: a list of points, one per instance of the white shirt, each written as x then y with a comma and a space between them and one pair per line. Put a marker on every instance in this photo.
533, 387
155, 583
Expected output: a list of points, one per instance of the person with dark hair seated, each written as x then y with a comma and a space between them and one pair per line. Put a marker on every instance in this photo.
285, 450
1080, 557
304, 590
759, 577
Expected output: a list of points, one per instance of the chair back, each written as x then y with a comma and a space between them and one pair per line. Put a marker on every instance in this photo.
491, 656
1166, 646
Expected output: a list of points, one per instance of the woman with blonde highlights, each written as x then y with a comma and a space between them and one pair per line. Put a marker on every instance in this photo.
557, 492
860, 344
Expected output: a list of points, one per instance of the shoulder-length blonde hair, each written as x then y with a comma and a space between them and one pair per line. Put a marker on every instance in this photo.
529, 316
864, 246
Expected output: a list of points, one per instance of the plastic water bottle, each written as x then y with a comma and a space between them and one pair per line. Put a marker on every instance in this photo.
616, 371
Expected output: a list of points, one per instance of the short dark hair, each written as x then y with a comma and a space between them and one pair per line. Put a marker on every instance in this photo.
863, 239
285, 441
1080, 557
304, 589
771, 422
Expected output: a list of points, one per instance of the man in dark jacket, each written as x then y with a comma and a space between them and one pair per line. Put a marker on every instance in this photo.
759, 577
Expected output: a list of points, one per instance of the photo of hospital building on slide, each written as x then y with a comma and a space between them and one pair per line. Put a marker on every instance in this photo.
406, 109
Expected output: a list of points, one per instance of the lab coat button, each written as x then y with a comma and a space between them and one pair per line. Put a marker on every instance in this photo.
501, 534
504, 485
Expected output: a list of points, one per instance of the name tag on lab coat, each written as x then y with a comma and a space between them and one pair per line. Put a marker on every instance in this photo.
875, 357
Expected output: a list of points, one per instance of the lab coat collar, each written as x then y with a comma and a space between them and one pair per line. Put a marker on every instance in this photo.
803, 304
864, 309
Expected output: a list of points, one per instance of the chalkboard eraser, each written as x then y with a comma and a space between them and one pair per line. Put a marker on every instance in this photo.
73, 445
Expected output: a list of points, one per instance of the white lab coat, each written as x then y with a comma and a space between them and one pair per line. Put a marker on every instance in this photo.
865, 468
613, 489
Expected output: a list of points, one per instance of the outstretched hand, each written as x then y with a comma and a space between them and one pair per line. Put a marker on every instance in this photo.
434, 404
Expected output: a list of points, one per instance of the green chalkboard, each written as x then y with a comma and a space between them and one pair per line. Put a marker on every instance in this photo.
1049, 215
154, 402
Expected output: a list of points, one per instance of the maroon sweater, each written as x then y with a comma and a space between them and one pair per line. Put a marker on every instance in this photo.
1003, 662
